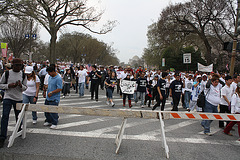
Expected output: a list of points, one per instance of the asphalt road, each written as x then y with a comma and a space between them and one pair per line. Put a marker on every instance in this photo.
90, 137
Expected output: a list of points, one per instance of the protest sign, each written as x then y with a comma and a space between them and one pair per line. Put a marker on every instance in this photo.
127, 87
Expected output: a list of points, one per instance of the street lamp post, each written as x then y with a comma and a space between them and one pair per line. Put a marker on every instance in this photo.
31, 37
237, 32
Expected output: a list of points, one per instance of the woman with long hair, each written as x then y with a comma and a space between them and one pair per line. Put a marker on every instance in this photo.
235, 109
67, 81
31, 94
110, 83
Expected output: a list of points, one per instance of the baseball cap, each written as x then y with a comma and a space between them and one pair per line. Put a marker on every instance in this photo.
199, 76
28, 69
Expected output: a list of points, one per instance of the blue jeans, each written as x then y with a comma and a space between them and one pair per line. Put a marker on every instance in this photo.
110, 93
142, 97
7, 106
187, 96
209, 108
81, 88
29, 99
51, 117
135, 97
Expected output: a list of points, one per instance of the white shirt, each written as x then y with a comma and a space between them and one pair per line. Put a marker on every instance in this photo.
31, 87
233, 88
188, 85
46, 79
123, 75
195, 92
213, 95
235, 104
119, 74
203, 86
225, 91
82, 76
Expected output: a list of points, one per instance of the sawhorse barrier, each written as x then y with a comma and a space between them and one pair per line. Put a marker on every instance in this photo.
128, 113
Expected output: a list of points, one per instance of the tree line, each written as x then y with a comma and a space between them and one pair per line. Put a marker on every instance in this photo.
54, 15
199, 27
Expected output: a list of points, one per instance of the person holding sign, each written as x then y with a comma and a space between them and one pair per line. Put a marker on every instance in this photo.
110, 83
125, 95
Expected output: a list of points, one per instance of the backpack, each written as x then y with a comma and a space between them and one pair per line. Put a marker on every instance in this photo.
7, 75
201, 99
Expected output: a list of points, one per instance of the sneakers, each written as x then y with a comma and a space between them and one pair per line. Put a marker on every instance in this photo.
53, 126
107, 102
142, 106
47, 124
34, 121
63, 96
112, 104
208, 134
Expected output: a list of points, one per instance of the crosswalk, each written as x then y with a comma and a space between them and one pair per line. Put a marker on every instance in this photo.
107, 127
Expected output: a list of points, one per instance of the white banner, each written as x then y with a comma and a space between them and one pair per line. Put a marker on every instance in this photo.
203, 68
127, 87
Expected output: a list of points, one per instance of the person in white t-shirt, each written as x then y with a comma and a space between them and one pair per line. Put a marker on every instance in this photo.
212, 101
225, 99
188, 90
236, 79
195, 92
82, 74
31, 94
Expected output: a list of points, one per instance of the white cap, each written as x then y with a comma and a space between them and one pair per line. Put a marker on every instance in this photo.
199, 76
204, 75
28, 69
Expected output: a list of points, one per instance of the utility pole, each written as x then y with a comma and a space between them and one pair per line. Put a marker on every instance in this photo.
237, 32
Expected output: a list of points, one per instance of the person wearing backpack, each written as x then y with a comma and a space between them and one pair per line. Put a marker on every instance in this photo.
213, 88
14, 84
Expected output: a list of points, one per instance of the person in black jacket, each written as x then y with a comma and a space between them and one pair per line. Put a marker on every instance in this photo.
176, 91
161, 92
95, 77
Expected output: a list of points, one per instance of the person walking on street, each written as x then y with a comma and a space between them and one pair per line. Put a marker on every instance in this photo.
235, 109
176, 91
225, 100
82, 74
161, 92
14, 82
110, 83
212, 101
95, 77
31, 94
67, 81
127, 95
54, 89
141, 88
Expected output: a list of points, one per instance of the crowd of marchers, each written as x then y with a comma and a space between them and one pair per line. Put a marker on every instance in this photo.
21, 82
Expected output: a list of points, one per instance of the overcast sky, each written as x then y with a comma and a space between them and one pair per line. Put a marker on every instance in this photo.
133, 16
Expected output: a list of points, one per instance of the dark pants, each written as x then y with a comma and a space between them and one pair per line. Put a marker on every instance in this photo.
176, 99
167, 92
66, 88
159, 101
223, 109
94, 89
42, 82
183, 103
147, 98
7, 106
127, 95
118, 85
51, 117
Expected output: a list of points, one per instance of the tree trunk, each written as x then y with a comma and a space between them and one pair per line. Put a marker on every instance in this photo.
208, 55
53, 47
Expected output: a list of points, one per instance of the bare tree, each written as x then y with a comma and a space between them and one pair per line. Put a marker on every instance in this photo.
55, 14
204, 18
13, 32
